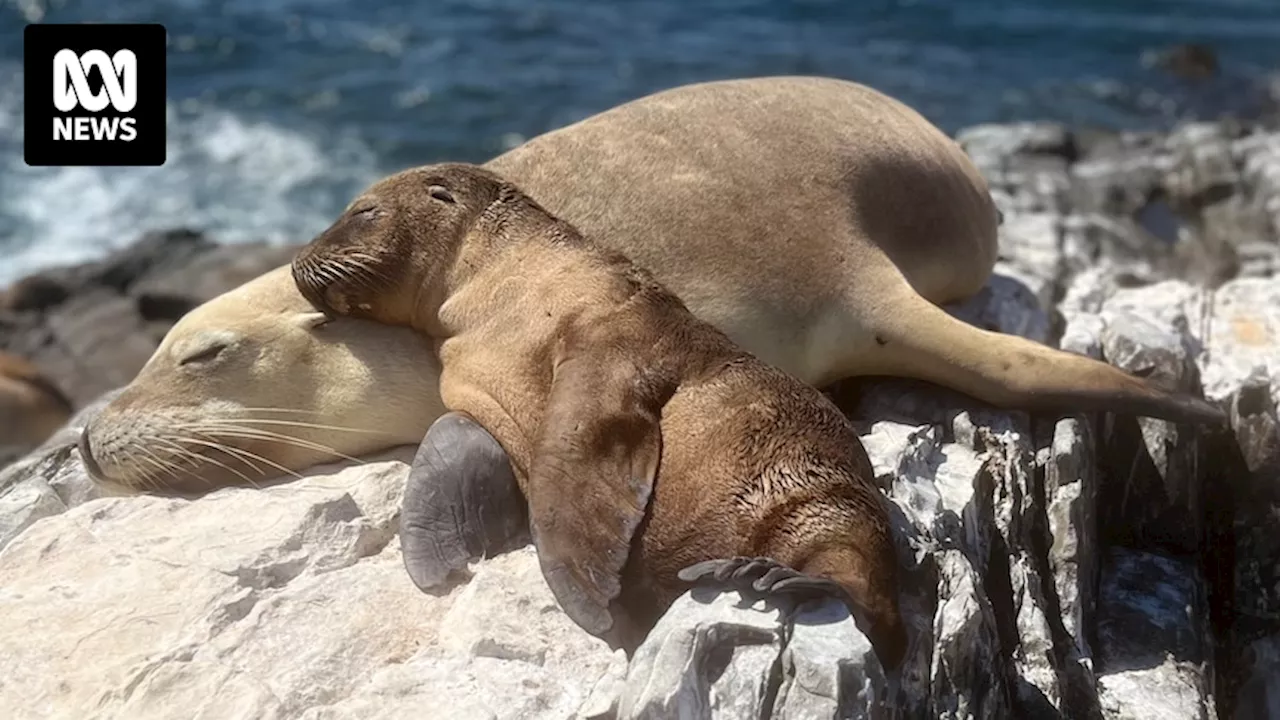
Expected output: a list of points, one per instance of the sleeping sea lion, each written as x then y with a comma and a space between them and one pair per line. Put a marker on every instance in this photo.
818, 222
249, 386
646, 442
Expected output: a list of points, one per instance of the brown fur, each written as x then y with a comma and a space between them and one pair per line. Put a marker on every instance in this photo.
31, 406
622, 413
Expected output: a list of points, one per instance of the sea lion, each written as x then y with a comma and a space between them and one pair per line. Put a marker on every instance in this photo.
645, 441
256, 383
31, 406
816, 221
819, 223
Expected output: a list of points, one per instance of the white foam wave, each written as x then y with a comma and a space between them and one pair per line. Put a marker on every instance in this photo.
239, 180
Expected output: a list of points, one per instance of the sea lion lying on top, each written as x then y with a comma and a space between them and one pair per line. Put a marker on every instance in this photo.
815, 221
651, 449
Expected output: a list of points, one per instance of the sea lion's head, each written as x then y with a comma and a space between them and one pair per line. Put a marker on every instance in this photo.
390, 256
256, 384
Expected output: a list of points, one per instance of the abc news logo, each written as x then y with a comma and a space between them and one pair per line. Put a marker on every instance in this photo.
71, 89
94, 94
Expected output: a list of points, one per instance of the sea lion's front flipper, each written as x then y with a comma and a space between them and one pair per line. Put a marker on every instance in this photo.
591, 477
461, 502
761, 576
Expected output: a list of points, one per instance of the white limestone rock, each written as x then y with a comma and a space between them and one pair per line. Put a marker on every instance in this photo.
289, 601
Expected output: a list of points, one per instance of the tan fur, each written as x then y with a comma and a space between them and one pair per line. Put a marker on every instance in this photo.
31, 407
617, 407
796, 214
817, 222
345, 387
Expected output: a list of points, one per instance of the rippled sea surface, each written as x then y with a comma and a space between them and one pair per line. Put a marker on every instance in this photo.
281, 109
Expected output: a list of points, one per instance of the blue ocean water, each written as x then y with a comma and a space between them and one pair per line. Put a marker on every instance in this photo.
281, 109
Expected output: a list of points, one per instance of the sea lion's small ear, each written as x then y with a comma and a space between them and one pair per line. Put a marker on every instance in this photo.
441, 193
312, 320
591, 478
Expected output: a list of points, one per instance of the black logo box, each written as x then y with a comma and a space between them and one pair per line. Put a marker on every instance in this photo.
41, 42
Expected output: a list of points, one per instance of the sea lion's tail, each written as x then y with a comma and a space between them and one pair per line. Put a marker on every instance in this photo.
921, 340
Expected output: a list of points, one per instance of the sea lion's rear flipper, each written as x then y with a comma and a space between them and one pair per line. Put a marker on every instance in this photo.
919, 339
761, 576
591, 478
461, 502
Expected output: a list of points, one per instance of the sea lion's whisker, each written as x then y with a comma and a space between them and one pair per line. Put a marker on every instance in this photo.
314, 277
329, 273
254, 433
360, 277
260, 458
148, 477
148, 457
240, 454
248, 480
295, 423
260, 434
368, 276
362, 274
165, 467
177, 451
281, 410
241, 451
194, 458
229, 450
249, 434
368, 281
363, 256
191, 461
359, 264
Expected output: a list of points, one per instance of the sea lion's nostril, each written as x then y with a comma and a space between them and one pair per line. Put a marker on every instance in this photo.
86, 455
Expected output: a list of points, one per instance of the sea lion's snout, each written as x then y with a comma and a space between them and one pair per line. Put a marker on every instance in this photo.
320, 284
340, 280
307, 279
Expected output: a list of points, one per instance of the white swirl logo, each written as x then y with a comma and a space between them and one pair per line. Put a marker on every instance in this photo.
119, 80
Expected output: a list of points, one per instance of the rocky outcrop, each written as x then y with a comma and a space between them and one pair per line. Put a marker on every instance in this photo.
1085, 567
280, 603
1200, 204
1160, 253
290, 601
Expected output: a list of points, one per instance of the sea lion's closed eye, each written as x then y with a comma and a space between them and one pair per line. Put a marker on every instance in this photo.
204, 355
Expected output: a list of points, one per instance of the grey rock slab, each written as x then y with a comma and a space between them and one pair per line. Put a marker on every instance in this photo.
706, 658
829, 668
